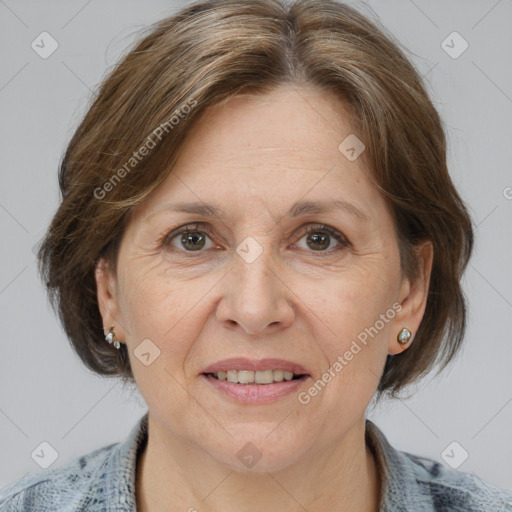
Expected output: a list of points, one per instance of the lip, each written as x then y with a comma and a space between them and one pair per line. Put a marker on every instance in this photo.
242, 363
255, 393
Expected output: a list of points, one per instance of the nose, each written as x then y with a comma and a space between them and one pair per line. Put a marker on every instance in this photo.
255, 298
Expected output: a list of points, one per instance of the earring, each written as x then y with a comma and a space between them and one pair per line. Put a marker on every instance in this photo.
110, 338
404, 336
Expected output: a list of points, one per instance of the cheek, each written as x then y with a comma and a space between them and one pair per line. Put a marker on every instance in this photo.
355, 301
356, 318
160, 313
354, 349
158, 306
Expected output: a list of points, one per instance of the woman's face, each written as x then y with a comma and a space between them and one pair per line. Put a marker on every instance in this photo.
255, 284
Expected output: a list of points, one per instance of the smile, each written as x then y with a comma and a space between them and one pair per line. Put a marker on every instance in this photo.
252, 393
257, 377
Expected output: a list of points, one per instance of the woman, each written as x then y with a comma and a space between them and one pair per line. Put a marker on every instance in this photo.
259, 229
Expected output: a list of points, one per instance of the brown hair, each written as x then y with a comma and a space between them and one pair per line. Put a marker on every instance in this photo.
205, 54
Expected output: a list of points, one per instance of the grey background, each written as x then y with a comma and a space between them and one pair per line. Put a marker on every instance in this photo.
45, 392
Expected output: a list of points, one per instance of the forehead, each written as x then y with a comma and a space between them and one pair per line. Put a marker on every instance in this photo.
303, 124
273, 150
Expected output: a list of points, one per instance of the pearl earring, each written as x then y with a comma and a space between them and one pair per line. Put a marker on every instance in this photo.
404, 336
110, 338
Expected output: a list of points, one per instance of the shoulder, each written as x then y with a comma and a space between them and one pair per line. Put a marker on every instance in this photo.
73, 483
422, 484
101, 480
456, 491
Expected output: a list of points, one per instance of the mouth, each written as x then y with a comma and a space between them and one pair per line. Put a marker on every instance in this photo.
265, 377
251, 382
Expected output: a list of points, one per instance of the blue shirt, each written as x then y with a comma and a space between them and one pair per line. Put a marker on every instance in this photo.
104, 481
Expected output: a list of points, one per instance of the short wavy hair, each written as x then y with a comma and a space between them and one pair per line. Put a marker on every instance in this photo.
206, 53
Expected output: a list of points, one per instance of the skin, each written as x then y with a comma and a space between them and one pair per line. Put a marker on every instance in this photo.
254, 157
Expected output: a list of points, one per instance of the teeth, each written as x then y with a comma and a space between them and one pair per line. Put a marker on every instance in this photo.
244, 377
279, 375
249, 376
232, 376
265, 377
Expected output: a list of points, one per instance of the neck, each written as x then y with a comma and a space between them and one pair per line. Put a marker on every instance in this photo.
173, 475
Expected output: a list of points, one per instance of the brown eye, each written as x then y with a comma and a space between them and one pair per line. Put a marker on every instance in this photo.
320, 241
189, 239
192, 240
319, 238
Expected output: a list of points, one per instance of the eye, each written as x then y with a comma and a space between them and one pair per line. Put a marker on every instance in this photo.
194, 238
191, 238
319, 238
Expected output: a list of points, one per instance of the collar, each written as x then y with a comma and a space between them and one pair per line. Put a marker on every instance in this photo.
122, 466
400, 491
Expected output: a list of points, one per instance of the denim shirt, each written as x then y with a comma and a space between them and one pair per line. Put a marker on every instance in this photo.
104, 481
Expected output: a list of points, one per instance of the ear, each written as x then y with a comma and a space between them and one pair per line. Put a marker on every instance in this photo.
107, 295
413, 298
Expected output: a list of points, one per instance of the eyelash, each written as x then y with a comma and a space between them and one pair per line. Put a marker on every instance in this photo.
202, 228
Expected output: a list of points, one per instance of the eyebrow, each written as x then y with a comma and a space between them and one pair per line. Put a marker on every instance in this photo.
299, 208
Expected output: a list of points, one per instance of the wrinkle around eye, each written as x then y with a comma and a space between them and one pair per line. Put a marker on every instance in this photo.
155, 237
